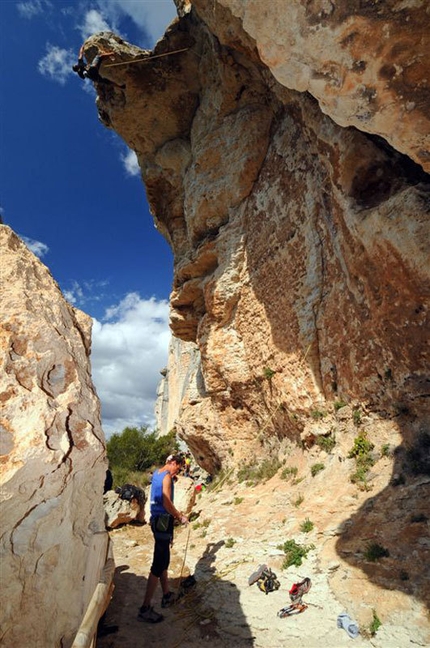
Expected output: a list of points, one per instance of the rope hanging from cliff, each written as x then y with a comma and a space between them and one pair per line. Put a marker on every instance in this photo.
147, 59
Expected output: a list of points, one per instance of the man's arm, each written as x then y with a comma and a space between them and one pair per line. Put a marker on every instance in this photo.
167, 502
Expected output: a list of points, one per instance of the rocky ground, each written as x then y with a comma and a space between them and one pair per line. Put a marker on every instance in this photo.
239, 526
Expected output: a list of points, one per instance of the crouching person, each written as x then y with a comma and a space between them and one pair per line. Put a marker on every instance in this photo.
163, 514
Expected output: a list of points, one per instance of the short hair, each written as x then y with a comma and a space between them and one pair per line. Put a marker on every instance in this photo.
176, 458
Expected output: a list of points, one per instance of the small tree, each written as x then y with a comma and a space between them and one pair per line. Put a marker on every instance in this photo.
136, 450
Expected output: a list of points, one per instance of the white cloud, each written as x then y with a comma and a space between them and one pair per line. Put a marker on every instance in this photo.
151, 16
89, 292
30, 9
37, 247
57, 63
75, 294
129, 350
130, 162
94, 22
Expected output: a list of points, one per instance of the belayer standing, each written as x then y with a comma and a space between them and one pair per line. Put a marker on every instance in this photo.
163, 514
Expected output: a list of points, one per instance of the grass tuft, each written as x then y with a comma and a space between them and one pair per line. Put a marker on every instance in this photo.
294, 553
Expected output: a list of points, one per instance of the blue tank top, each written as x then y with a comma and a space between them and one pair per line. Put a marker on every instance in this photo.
157, 507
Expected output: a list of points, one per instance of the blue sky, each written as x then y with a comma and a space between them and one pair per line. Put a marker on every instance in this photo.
71, 189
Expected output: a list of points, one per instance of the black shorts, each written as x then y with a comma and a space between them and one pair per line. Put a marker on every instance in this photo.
161, 558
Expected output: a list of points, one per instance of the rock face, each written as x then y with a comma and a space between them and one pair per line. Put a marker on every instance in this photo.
285, 153
183, 374
301, 246
52, 457
366, 63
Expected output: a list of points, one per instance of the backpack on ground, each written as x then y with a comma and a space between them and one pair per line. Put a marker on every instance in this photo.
268, 581
129, 492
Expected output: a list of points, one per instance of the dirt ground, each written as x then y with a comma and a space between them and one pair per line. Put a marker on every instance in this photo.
238, 528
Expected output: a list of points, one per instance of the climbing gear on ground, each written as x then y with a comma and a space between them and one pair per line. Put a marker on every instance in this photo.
129, 492
167, 600
300, 589
344, 621
268, 581
257, 574
185, 586
290, 610
188, 582
297, 591
149, 615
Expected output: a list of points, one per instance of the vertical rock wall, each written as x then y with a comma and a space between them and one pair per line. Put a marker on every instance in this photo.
301, 245
52, 457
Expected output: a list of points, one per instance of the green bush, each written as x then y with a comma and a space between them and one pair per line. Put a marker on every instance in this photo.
135, 450
253, 473
300, 499
385, 450
360, 477
316, 468
237, 500
289, 471
374, 552
337, 405
229, 543
364, 461
268, 373
326, 443
306, 526
317, 415
375, 625
294, 553
362, 447
356, 416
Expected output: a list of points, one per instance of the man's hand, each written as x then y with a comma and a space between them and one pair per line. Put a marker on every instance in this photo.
183, 519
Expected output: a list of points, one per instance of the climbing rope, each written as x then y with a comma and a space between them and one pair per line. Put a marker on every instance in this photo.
147, 59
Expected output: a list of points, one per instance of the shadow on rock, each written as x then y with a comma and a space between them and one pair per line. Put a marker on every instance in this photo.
388, 536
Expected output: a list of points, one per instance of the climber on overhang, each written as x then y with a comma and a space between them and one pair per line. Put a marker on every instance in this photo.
92, 71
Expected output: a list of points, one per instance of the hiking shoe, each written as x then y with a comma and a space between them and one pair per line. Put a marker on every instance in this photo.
149, 615
257, 575
167, 600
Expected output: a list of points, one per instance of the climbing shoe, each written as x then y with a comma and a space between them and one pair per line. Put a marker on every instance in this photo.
149, 615
167, 600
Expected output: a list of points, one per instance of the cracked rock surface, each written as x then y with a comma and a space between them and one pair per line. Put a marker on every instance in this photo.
52, 456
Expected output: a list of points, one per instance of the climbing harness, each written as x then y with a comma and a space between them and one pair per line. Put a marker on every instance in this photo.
297, 591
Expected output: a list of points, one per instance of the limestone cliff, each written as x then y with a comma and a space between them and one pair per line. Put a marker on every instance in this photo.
53, 539
284, 156
285, 153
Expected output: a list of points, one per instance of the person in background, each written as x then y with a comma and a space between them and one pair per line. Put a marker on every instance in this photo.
187, 471
108, 481
163, 514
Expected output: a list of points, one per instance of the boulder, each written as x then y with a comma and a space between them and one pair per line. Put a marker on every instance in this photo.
53, 457
121, 511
